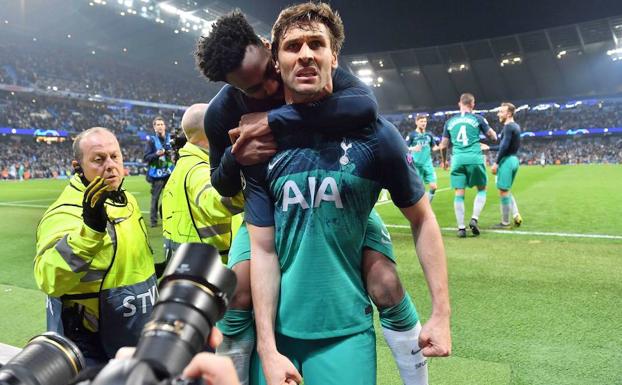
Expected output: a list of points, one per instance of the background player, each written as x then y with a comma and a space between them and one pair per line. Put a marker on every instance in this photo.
506, 165
467, 160
422, 143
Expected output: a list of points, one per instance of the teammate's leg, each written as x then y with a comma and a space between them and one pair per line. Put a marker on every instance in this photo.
506, 207
459, 211
398, 315
237, 324
518, 220
478, 205
458, 178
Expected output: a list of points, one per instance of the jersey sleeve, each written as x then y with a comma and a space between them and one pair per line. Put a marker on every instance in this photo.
258, 206
219, 117
352, 106
446, 130
483, 124
397, 168
504, 146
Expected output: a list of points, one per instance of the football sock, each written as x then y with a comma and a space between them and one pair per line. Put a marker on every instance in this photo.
238, 340
401, 328
514, 206
459, 210
431, 194
506, 206
478, 203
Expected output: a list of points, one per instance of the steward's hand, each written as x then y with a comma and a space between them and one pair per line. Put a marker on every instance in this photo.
93, 211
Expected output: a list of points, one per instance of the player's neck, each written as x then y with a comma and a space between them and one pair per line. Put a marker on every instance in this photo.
509, 120
466, 110
420, 130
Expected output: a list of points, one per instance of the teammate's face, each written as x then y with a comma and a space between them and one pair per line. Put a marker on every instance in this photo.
159, 127
306, 61
422, 123
101, 155
503, 114
256, 76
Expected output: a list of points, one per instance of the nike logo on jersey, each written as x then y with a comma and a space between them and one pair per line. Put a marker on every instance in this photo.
413, 352
274, 161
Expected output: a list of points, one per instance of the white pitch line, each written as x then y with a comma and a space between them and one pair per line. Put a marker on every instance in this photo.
389, 200
23, 205
29, 201
517, 232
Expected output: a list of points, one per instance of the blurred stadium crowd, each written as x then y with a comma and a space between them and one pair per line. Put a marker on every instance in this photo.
58, 98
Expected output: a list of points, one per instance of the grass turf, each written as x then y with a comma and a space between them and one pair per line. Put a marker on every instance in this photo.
527, 309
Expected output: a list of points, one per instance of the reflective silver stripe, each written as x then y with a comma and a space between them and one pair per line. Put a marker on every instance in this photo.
207, 186
93, 275
211, 231
91, 319
74, 261
228, 203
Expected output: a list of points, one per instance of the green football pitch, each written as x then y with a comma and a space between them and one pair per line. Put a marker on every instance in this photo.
540, 304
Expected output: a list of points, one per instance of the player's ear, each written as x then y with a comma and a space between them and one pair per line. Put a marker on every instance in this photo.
277, 68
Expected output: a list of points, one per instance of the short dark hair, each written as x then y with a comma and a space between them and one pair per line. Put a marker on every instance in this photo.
301, 15
222, 51
510, 106
156, 119
421, 116
467, 99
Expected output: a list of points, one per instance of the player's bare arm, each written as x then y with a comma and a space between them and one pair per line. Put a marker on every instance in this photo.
265, 286
435, 336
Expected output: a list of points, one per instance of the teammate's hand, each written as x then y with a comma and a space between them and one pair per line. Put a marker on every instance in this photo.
253, 125
435, 337
484, 147
93, 211
255, 150
279, 370
494, 168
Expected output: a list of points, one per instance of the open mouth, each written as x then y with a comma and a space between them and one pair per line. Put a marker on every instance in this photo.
309, 72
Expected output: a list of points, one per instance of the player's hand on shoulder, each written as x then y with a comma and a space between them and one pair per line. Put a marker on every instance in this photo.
254, 151
253, 125
435, 337
279, 370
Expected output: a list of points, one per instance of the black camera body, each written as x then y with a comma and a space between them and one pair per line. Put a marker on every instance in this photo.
194, 294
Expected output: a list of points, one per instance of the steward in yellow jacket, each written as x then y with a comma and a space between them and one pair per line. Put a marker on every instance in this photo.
192, 210
93, 254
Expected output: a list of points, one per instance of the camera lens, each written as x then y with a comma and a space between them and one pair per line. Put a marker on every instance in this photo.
194, 294
47, 359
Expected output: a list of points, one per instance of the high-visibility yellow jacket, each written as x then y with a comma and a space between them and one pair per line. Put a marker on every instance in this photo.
192, 210
110, 275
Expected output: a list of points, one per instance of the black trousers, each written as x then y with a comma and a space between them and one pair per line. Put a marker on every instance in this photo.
157, 185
